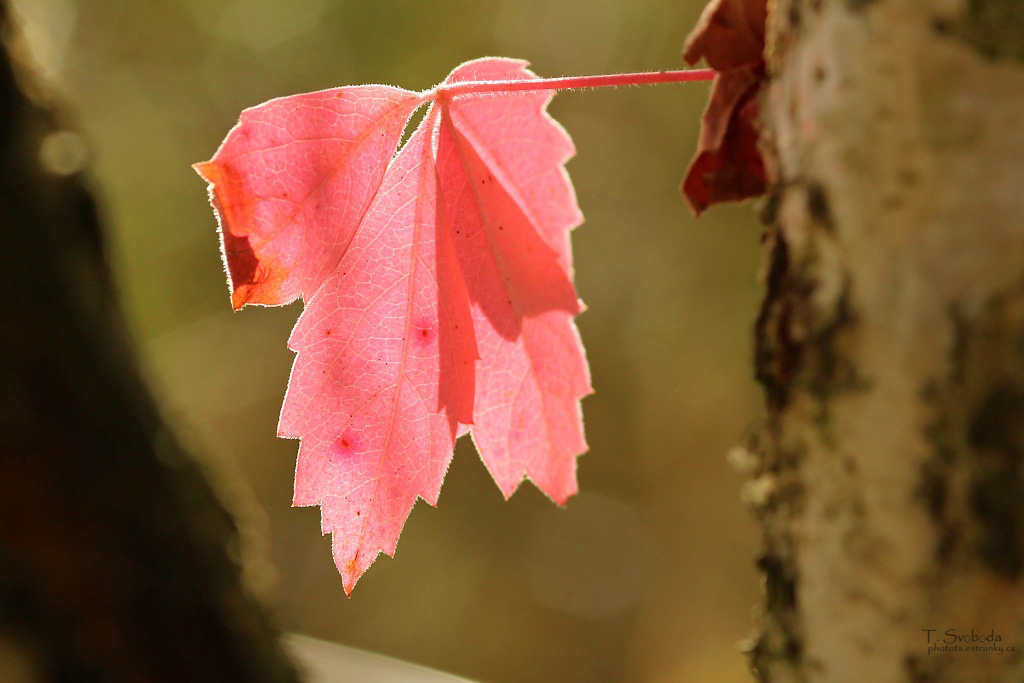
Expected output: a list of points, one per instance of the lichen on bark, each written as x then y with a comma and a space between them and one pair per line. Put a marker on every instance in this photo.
993, 27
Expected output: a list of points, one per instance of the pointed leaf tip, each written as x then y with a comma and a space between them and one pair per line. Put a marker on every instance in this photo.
292, 180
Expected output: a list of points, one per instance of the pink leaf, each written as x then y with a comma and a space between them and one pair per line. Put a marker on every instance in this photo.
384, 371
438, 291
292, 180
512, 239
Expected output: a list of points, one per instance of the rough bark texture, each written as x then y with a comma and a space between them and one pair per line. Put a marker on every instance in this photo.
890, 477
114, 552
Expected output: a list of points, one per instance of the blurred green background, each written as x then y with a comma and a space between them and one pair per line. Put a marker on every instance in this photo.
648, 574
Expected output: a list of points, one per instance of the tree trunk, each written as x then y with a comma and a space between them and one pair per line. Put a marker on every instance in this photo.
889, 479
114, 552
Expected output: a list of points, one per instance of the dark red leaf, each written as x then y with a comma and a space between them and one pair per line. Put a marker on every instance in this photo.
728, 165
729, 33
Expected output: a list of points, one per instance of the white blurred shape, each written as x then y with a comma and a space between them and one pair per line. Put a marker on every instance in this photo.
324, 662
47, 27
63, 152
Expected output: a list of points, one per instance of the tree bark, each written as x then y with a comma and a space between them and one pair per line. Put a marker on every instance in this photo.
114, 552
889, 478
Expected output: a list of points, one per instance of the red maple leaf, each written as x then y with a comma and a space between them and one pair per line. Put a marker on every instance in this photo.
728, 164
437, 286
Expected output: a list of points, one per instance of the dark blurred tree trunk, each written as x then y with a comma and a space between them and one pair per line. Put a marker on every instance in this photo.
890, 477
114, 552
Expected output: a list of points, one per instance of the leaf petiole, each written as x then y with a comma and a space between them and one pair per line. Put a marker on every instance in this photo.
570, 82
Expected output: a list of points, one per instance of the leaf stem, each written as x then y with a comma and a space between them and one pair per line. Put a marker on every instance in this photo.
571, 82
